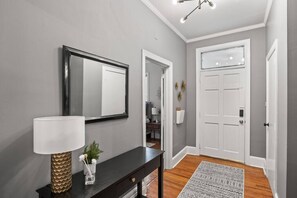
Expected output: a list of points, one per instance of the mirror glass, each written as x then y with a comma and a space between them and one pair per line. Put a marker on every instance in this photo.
223, 58
97, 88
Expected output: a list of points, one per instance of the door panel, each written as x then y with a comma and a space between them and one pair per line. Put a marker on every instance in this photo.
231, 134
212, 107
211, 135
222, 96
231, 102
271, 118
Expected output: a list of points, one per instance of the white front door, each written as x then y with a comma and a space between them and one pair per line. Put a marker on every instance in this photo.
271, 117
222, 102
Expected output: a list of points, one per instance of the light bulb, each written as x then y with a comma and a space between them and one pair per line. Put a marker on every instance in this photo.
212, 5
174, 2
183, 20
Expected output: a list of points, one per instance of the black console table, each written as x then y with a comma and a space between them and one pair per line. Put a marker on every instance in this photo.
116, 176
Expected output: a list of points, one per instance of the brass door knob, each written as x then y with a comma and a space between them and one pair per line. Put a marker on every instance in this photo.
132, 179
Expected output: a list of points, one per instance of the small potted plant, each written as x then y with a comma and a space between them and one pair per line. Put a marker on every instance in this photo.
92, 153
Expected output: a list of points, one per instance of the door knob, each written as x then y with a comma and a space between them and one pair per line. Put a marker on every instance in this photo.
241, 121
266, 124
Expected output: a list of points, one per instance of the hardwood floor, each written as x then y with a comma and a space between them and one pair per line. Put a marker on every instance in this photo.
255, 185
157, 143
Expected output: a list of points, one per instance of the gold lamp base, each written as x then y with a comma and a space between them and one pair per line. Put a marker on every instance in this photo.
61, 174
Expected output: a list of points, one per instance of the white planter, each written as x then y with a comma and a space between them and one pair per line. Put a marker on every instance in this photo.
91, 166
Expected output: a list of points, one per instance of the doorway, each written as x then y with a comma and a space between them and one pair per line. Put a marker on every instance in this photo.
157, 104
154, 94
271, 116
223, 101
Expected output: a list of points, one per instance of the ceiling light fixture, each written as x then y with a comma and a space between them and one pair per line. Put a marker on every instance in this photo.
200, 2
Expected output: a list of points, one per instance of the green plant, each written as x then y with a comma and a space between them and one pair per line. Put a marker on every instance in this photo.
93, 151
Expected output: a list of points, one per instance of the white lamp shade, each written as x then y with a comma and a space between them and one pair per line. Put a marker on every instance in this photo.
58, 134
155, 111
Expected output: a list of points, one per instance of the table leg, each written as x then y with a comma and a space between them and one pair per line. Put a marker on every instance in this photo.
139, 189
160, 177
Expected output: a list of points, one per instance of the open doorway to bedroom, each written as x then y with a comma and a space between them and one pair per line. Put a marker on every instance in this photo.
154, 103
157, 104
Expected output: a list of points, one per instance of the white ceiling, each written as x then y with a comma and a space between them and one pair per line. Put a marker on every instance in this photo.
229, 15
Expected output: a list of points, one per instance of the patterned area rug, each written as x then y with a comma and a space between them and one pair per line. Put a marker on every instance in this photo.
212, 180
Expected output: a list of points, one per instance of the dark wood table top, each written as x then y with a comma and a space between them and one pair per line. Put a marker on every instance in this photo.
107, 173
154, 123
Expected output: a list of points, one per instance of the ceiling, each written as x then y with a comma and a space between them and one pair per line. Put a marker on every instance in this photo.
229, 16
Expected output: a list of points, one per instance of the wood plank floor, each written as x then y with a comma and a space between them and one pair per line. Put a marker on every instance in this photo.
255, 185
157, 143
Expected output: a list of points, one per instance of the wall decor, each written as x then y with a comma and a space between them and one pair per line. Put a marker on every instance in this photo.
176, 85
183, 86
179, 96
180, 114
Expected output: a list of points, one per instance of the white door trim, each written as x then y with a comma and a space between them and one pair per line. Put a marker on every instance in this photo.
246, 44
273, 49
168, 73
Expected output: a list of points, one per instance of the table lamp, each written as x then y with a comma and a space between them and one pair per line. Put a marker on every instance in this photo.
59, 136
155, 114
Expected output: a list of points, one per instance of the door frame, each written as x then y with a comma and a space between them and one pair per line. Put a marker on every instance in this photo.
168, 127
273, 49
163, 80
199, 51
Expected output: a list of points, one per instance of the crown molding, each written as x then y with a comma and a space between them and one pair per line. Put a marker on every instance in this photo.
243, 29
164, 19
268, 9
224, 33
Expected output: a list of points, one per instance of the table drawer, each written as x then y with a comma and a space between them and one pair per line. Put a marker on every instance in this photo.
130, 181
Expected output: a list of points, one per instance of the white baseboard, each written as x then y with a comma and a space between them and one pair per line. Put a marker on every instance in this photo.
275, 195
256, 162
191, 150
178, 157
264, 170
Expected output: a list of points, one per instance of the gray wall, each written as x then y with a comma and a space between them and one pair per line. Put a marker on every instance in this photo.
32, 32
292, 100
277, 29
258, 83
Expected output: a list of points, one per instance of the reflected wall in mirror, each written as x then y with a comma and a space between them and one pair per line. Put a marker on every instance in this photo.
229, 57
94, 87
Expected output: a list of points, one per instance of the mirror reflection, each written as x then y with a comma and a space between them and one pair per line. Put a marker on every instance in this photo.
96, 88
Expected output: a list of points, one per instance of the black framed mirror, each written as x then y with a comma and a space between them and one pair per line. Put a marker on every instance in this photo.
94, 86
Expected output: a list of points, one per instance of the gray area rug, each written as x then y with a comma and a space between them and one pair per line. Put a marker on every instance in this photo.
212, 180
